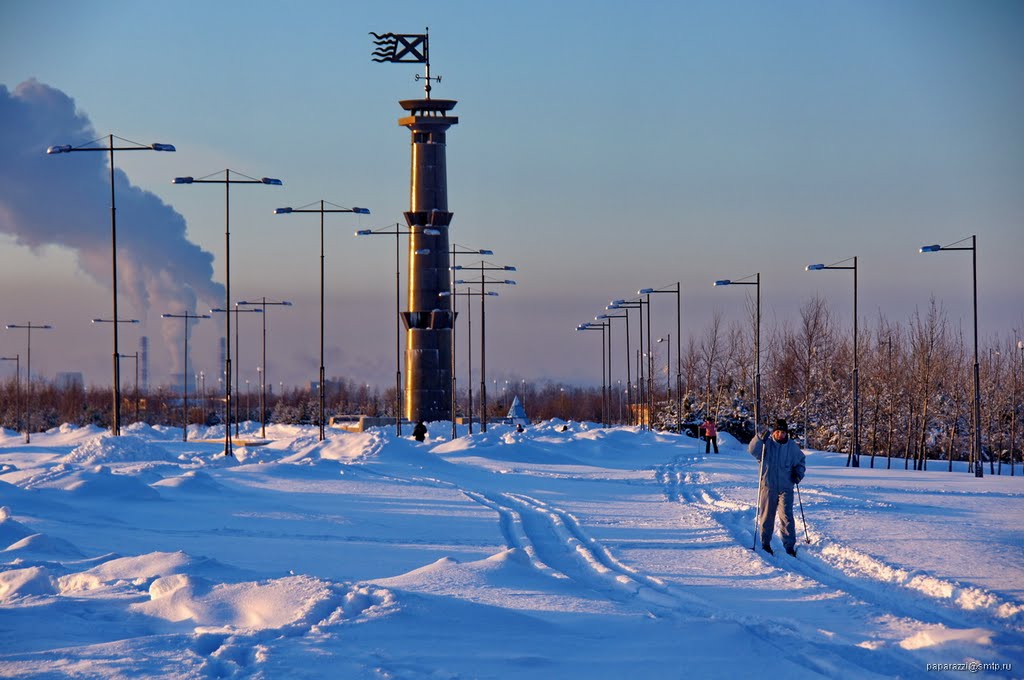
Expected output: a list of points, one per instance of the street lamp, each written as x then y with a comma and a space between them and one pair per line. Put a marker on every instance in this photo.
227, 182
322, 210
397, 231
483, 281
757, 341
17, 393
629, 377
979, 470
668, 363
853, 460
627, 305
603, 327
679, 355
469, 345
238, 353
115, 425
186, 316
28, 371
263, 309
458, 249
115, 428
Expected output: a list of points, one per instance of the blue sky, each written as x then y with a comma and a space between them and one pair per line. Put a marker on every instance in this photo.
603, 147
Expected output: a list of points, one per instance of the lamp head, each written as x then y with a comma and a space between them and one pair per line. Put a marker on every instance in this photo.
459, 282
361, 211
423, 251
430, 231
456, 268
815, 267
364, 232
509, 268
60, 148
509, 282
445, 293
645, 291
182, 180
282, 211
272, 181
484, 251
931, 249
723, 282
492, 293
162, 147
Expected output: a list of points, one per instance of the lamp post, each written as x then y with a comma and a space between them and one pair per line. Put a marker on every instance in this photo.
263, 397
979, 470
227, 182
607, 319
322, 210
469, 345
202, 388
17, 393
238, 354
626, 305
1020, 348
28, 370
853, 460
115, 428
629, 378
668, 364
679, 351
483, 281
458, 249
590, 326
115, 419
397, 231
757, 340
186, 316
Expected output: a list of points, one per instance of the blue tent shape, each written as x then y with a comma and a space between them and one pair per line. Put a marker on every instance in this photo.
517, 413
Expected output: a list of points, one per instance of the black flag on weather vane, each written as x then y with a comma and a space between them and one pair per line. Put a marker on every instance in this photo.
401, 48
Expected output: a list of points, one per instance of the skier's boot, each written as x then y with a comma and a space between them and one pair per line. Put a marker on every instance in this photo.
767, 548
791, 551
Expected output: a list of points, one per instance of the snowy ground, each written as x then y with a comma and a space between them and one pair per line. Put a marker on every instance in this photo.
589, 553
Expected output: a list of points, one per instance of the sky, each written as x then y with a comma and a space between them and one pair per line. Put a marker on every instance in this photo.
602, 148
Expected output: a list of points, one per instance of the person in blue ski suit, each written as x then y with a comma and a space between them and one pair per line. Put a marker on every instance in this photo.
782, 468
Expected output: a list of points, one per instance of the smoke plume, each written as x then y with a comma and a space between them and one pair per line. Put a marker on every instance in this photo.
65, 201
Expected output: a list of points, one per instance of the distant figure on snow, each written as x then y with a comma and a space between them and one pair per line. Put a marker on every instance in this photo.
782, 466
710, 435
519, 427
420, 431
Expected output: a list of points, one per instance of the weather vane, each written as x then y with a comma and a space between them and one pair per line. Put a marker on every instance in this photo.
405, 48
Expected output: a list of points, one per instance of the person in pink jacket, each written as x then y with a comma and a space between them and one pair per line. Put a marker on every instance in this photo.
710, 435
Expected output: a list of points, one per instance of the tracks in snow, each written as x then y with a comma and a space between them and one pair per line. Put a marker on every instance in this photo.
829, 562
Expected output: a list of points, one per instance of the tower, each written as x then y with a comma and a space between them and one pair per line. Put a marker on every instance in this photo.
429, 318
144, 358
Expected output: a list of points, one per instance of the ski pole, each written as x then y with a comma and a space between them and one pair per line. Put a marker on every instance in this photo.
804, 518
757, 508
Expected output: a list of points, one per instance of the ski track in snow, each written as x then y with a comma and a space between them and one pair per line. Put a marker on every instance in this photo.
559, 547
887, 587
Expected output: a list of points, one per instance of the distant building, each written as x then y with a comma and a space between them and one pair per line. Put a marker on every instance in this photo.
68, 380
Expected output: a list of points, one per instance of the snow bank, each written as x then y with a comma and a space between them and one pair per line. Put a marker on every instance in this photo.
108, 449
